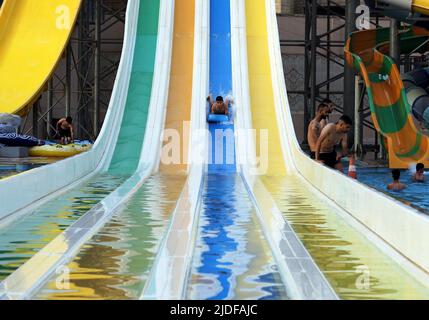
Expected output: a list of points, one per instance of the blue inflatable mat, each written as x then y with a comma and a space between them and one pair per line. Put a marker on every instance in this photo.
17, 140
216, 118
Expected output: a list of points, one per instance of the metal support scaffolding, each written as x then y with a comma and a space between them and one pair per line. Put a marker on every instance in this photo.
349, 74
83, 80
323, 45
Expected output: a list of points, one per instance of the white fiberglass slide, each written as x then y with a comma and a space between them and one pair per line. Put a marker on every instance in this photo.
22, 193
398, 230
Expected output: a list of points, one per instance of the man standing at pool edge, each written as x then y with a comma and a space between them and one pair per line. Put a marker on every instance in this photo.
331, 136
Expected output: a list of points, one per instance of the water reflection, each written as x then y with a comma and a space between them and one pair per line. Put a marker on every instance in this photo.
232, 259
355, 268
20, 240
115, 263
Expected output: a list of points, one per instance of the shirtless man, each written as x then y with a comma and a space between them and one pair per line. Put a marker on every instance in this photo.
419, 175
331, 136
65, 130
315, 128
396, 185
331, 108
219, 106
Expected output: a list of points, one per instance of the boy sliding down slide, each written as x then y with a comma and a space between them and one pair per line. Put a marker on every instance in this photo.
330, 137
219, 106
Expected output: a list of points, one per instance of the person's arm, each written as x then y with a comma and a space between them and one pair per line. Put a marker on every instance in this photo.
322, 138
227, 102
312, 132
210, 99
72, 134
345, 146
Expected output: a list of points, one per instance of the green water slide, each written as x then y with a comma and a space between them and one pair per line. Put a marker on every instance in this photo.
367, 51
127, 152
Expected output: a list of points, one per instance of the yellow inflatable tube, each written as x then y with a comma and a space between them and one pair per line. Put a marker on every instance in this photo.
58, 150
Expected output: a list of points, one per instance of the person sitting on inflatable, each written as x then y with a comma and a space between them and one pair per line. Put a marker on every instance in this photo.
219, 106
65, 130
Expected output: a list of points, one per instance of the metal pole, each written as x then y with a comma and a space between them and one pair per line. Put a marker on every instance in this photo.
97, 67
313, 57
306, 68
36, 106
394, 41
349, 79
68, 80
358, 126
328, 49
50, 103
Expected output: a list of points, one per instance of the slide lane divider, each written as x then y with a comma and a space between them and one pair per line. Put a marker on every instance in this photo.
169, 274
300, 274
24, 282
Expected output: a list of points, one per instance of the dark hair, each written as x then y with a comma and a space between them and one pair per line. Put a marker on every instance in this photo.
396, 174
69, 120
327, 101
346, 120
321, 106
420, 166
219, 99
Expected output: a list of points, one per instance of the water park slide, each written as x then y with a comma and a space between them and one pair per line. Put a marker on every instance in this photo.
218, 221
25, 281
398, 230
33, 35
390, 110
22, 193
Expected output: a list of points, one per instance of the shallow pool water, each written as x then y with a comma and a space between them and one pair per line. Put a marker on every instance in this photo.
20, 240
354, 266
232, 258
116, 262
416, 194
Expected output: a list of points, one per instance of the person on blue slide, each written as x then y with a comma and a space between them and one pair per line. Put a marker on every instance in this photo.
419, 175
332, 135
219, 106
396, 185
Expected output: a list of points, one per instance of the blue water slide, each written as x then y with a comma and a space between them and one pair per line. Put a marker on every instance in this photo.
222, 143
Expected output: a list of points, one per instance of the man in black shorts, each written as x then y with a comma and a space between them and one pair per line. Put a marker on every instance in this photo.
331, 136
65, 130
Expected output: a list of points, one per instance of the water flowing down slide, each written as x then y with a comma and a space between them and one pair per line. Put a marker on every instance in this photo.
33, 36
367, 51
340, 221
133, 158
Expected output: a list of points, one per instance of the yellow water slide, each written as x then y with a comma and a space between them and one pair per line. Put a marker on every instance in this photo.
33, 35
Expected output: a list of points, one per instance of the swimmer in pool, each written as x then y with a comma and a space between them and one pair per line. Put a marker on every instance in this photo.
396, 185
419, 176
